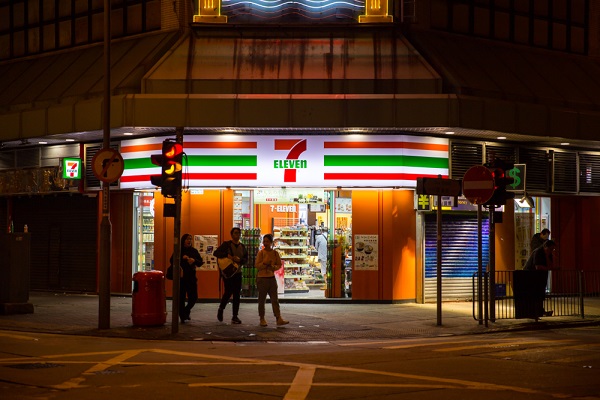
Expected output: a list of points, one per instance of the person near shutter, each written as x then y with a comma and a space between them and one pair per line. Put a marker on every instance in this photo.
268, 261
235, 251
542, 259
539, 238
190, 259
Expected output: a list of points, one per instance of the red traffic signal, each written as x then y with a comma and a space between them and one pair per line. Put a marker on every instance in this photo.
501, 181
170, 161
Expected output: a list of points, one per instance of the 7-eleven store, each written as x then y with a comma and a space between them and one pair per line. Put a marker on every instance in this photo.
358, 188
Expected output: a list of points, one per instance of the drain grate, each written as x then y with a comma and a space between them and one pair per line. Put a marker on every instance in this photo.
35, 366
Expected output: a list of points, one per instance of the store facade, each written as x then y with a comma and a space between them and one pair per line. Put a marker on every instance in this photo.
345, 186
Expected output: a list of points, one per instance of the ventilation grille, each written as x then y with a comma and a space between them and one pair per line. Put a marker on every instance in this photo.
463, 157
589, 173
537, 169
564, 172
505, 153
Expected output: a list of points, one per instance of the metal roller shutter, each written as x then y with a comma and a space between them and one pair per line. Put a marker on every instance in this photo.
63, 241
459, 254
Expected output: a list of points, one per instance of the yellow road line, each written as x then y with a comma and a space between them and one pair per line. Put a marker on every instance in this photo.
301, 385
492, 345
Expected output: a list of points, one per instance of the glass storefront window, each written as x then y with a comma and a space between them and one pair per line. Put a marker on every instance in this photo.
143, 238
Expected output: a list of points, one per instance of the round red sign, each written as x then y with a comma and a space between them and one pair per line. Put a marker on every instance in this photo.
478, 184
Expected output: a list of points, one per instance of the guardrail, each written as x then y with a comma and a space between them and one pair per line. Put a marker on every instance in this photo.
564, 295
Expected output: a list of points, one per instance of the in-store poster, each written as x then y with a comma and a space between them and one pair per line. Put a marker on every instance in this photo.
206, 245
365, 250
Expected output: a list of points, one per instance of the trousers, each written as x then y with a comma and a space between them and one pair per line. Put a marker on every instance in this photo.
267, 286
233, 288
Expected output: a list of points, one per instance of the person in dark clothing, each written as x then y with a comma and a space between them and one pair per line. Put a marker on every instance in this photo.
188, 283
541, 261
235, 251
539, 238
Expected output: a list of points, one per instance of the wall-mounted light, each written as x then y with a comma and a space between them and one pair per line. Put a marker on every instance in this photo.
526, 202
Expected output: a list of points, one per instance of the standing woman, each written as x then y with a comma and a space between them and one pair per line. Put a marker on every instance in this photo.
268, 261
188, 283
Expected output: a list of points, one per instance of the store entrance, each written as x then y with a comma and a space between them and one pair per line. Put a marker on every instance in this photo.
312, 231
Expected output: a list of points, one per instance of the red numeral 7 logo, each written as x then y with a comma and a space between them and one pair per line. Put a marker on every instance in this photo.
295, 147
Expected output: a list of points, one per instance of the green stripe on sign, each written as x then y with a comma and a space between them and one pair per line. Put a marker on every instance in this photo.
222, 161
199, 161
134, 163
385, 161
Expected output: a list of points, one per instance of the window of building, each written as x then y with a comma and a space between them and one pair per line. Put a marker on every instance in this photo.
559, 25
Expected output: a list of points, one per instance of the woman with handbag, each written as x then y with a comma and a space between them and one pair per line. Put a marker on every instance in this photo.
188, 283
267, 262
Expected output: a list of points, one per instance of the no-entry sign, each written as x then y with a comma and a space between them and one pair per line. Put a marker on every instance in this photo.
478, 184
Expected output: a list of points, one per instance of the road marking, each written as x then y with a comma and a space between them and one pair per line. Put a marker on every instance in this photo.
301, 385
98, 367
511, 343
19, 337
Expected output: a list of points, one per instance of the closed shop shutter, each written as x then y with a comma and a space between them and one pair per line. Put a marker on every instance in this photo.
459, 254
63, 241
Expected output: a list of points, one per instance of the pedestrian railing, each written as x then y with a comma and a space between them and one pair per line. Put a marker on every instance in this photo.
565, 294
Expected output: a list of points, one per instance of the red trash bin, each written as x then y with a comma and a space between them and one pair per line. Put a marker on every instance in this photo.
148, 298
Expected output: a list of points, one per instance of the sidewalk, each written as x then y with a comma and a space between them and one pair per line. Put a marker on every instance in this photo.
76, 314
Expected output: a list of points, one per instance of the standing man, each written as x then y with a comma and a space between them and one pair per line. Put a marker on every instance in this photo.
539, 238
321, 247
235, 251
541, 261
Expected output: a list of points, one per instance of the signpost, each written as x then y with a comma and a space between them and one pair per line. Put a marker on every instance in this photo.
478, 188
439, 187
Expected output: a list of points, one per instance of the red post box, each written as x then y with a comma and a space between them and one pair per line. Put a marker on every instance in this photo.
148, 298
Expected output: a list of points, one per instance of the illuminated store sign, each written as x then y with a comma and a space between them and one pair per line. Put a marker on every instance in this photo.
293, 161
282, 11
71, 168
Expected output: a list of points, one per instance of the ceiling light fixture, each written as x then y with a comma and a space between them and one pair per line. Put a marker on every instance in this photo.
449, 133
501, 137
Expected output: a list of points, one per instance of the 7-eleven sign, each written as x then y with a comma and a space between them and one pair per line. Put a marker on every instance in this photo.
295, 147
71, 168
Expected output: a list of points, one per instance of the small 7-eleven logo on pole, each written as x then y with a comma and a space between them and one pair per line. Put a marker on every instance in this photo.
291, 163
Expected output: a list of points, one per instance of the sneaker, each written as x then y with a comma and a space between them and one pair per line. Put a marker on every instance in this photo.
281, 321
220, 315
263, 322
235, 320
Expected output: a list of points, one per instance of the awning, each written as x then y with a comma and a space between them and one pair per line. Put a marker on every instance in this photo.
52, 94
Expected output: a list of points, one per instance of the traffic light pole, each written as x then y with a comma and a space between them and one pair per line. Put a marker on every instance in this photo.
105, 226
176, 251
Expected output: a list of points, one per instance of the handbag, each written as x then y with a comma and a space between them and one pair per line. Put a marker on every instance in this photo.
227, 267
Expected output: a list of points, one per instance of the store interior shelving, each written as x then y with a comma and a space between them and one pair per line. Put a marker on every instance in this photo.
292, 243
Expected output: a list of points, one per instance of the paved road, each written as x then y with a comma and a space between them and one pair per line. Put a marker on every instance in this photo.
549, 364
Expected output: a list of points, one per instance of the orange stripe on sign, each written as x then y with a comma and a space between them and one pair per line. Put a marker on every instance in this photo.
220, 145
385, 145
285, 144
141, 147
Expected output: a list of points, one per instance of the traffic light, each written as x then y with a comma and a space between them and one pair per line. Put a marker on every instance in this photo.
170, 161
499, 170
